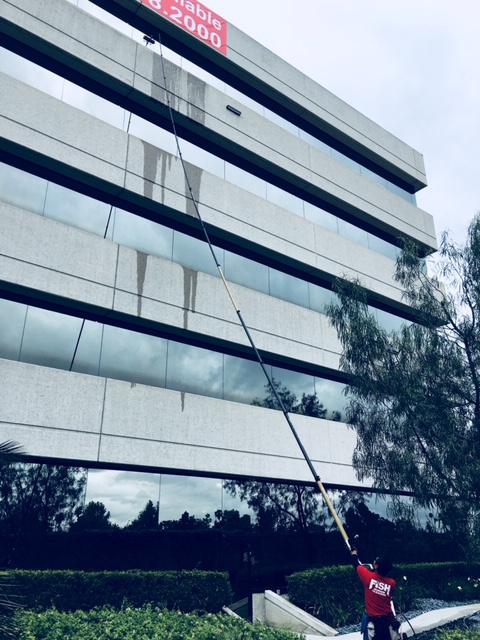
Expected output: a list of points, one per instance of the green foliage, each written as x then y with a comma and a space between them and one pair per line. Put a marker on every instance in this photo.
457, 634
39, 497
147, 519
280, 507
93, 517
146, 623
70, 590
335, 595
415, 393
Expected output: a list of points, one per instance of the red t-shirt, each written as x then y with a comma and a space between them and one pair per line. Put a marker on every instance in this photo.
379, 591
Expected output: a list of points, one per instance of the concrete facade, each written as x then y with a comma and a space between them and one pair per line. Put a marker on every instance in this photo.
62, 415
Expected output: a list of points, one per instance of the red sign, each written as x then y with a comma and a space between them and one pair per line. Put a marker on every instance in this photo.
195, 18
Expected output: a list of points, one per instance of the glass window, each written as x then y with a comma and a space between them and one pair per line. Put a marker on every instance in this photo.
21, 189
289, 288
132, 356
76, 209
49, 338
346, 160
87, 355
195, 254
201, 158
244, 380
388, 321
32, 74
285, 124
194, 370
382, 246
245, 180
142, 234
315, 142
331, 395
94, 105
353, 233
321, 217
12, 323
246, 272
200, 496
153, 134
374, 177
284, 199
296, 383
320, 297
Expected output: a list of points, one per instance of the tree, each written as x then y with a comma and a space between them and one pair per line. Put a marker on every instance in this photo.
39, 497
147, 519
93, 517
280, 507
414, 394
309, 405
231, 520
9, 598
187, 523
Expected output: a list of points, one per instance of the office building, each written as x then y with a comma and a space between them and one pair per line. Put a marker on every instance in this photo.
119, 345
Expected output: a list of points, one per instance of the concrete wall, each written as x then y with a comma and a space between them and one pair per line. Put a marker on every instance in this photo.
248, 63
137, 75
86, 419
52, 135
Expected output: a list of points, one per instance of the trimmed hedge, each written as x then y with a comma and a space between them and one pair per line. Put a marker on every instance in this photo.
143, 624
185, 591
335, 595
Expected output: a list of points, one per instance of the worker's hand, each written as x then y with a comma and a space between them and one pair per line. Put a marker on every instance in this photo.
354, 552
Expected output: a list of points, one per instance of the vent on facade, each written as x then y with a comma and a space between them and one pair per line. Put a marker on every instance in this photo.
233, 110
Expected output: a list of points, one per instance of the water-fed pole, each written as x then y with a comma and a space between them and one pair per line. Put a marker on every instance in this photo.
318, 482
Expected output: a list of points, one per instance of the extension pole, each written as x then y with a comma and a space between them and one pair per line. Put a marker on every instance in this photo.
245, 328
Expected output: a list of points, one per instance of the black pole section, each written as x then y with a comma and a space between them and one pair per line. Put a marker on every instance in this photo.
242, 322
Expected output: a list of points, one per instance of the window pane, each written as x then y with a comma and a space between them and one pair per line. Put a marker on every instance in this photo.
320, 297
30, 73
330, 394
12, 322
289, 288
143, 235
296, 383
22, 189
87, 356
76, 209
351, 232
195, 254
246, 272
49, 338
321, 217
382, 246
284, 199
244, 380
194, 370
245, 180
94, 105
132, 356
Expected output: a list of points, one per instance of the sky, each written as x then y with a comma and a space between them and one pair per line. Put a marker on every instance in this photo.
411, 66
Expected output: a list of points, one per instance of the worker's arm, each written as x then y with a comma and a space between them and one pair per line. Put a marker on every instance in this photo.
354, 558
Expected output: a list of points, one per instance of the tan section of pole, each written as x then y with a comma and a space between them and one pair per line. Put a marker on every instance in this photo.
334, 513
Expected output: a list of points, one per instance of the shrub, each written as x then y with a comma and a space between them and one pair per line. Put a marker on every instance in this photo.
71, 590
335, 595
145, 623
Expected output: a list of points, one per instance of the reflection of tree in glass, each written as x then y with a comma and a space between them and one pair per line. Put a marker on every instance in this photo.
9, 600
39, 497
280, 507
309, 405
93, 517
